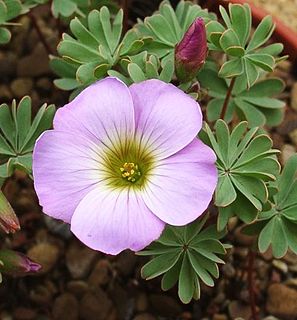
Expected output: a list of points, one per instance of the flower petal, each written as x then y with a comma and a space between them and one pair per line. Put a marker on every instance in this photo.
180, 188
65, 168
111, 221
166, 118
102, 111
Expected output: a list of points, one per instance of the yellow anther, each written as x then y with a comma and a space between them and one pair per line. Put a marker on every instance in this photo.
130, 171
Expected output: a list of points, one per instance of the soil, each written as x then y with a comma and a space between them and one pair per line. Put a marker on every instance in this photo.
79, 283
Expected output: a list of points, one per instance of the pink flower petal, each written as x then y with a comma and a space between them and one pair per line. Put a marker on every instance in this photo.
65, 168
180, 188
166, 118
111, 221
102, 111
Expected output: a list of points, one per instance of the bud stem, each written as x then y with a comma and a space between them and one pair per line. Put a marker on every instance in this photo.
227, 98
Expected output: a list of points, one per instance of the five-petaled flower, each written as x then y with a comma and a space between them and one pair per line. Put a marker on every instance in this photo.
121, 162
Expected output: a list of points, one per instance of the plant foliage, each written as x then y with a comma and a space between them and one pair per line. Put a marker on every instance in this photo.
186, 255
257, 105
246, 162
245, 51
18, 134
276, 226
9, 9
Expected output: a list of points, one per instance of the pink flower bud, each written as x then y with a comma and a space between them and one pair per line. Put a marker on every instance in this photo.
8, 220
191, 52
16, 264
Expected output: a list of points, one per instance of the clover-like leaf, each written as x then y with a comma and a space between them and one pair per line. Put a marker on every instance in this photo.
246, 54
9, 9
18, 134
258, 105
245, 162
94, 49
186, 255
276, 226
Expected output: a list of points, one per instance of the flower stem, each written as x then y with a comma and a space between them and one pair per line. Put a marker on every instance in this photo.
125, 6
228, 95
251, 259
40, 34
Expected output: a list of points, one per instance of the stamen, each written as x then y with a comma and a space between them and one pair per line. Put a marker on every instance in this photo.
130, 171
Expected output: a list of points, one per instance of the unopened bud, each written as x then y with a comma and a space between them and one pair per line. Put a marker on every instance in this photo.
191, 52
16, 263
8, 219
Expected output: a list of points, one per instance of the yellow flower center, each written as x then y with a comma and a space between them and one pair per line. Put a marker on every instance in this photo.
130, 171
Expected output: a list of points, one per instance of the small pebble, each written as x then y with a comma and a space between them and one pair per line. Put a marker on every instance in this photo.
281, 301
46, 254
101, 274
280, 265
293, 136
21, 87
66, 307
286, 152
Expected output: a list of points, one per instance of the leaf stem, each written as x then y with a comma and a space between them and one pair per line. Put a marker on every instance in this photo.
227, 98
251, 259
40, 34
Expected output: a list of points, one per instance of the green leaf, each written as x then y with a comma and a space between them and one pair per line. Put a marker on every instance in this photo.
231, 68
95, 48
3, 12
266, 87
225, 17
66, 83
253, 115
264, 61
136, 73
167, 72
201, 272
245, 161
277, 225
252, 73
7, 124
279, 240
18, 135
170, 278
160, 265
186, 255
241, 21
5, 35
185, 283
264, 102
230, 43
225, 213
23, 118
255, 104
64, 8
225, 192
261, 34
266, 235
287, 178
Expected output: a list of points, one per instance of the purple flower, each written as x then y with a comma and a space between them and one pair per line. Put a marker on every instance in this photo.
9, 222
121, 162
191, 52
16, 264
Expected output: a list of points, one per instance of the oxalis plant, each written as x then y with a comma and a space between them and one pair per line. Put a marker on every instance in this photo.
164, 139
